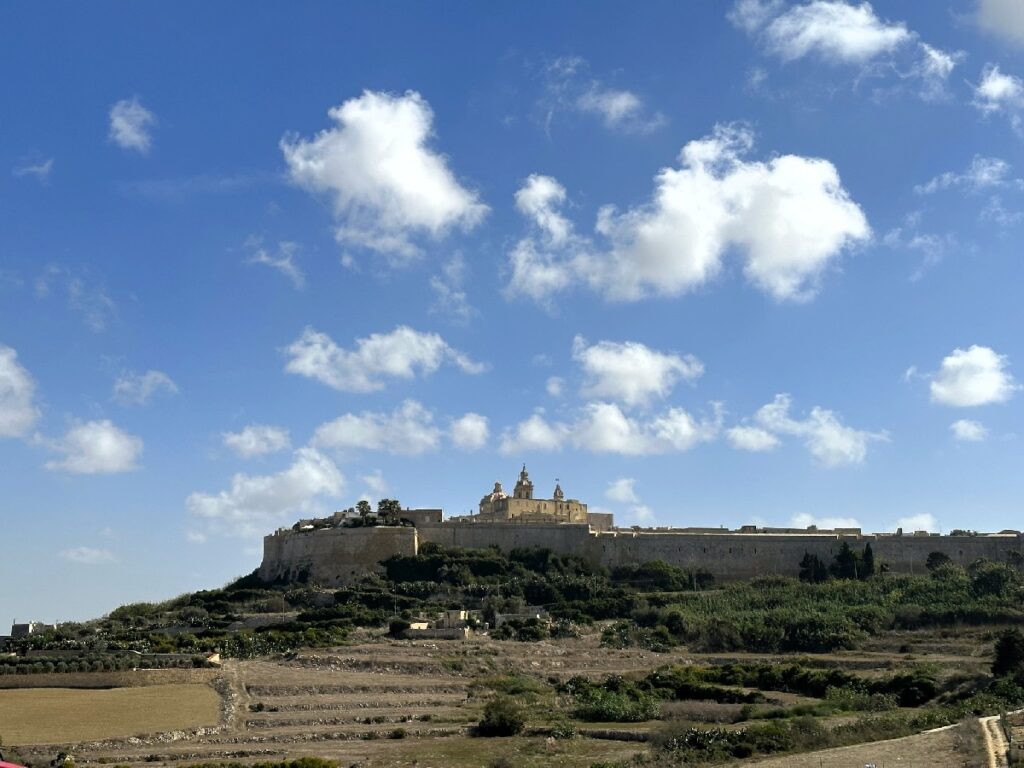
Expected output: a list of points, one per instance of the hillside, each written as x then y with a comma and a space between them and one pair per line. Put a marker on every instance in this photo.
661, 661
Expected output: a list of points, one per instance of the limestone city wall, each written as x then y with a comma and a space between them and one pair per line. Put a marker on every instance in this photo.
332, 556
336, 556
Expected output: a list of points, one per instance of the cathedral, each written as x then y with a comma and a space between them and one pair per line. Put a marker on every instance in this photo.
498, 506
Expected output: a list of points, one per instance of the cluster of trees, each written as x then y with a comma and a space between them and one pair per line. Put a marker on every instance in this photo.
617, 699
35, 665
389, 512
846, 564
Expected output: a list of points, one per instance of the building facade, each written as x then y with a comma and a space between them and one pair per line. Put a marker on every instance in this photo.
498, 507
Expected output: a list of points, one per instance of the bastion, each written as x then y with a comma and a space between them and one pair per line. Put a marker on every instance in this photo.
338, 550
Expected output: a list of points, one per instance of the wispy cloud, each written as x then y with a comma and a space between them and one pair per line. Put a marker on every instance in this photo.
283, 260
87, 555
84, 297
176, 189
570, 87
40, 171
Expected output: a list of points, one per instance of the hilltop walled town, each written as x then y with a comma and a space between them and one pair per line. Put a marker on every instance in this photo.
341, 549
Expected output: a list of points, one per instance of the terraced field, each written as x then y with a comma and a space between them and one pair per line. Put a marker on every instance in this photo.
380, 702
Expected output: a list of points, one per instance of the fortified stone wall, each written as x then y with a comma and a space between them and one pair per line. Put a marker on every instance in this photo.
745, 555
337, 556
332, 556
567, 538
906, 554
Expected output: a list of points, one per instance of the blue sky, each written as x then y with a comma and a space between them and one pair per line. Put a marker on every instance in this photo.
705, 263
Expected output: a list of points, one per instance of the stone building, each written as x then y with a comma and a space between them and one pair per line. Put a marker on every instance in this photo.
522, 507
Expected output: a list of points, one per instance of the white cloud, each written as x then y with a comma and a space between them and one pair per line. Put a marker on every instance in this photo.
386, 184
554, 386
257, 440
969, 431
534, 434
130, 123
920, 522
973, 376
408, 430
470, 432
403, 353
96, 448
137, 388
748, 438
87, 555
641, 514
983, 173
833, 31
753, 15
537, 272
622, 110
282, 260
631, 372
840, 32
375, 483
18, 411
805, 520
603, 428
788, 218
450, 297
934, 69
539, 264
41, 171
539, 200
1004, 18
830, 442
830, 29
570, 87
254, 503
999, 92
622, 491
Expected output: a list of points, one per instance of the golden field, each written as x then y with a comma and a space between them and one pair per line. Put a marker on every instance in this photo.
64, 715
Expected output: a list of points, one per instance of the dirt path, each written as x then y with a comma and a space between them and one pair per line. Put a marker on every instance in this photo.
995, 741
240, 698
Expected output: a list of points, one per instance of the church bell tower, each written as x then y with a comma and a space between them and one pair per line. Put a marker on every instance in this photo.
524, 487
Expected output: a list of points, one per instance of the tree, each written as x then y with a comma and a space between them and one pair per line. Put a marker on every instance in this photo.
867, 563
812, 570
936, 560
1009, 653
995, 579
364, 508
502, 717
397, 626
845, 564
389, 509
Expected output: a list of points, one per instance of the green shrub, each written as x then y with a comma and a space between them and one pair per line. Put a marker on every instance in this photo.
502, 717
